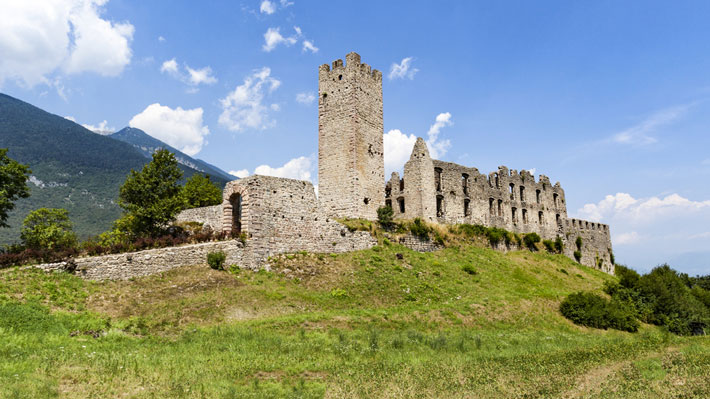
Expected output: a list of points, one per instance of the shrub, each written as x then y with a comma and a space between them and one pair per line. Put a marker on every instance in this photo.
338, 293
495, 235
530, 240
419, 229
549, 246
385, 216
472, 230
559, 245
592, 310
578, 242
48, 228
216, 260
469, 269
578, 256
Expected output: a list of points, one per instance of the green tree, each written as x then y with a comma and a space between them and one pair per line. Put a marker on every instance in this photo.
385, 216
13, 184
152, 197
200, 191
48, 228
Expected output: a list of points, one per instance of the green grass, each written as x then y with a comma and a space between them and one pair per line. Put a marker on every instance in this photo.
364, 324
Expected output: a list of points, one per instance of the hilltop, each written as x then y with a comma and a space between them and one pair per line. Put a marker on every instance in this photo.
385, 322
72, 167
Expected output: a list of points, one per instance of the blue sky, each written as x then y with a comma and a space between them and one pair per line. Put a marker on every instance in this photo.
609, 98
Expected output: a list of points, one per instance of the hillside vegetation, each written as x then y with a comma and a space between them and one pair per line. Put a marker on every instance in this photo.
387, 322
72, 167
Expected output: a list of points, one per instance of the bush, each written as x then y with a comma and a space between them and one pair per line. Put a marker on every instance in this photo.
216, 260
385, 216
530, 240
419, 229
473, 230
559, 245
495, 235
469, 269
592, 310
578, 256
48, 228
549, 246
578, 242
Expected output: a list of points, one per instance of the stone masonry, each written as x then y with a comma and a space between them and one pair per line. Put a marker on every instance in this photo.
351, 169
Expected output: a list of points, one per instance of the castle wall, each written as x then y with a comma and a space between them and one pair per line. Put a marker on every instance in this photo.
209, 216
350, 139
448, 193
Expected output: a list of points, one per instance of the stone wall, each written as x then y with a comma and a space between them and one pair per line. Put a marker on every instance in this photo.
151, 261
417, 244
448, 193
209, 216
351, 169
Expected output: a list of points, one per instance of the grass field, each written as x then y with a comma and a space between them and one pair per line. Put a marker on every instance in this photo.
463, 322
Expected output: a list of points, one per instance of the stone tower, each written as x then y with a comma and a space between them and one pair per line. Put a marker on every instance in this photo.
351, 170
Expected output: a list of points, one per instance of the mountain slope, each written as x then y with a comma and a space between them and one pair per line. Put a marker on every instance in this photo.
72, 167
147, 145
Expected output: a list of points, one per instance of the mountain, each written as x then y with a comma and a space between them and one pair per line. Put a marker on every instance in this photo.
72, 167
147, 145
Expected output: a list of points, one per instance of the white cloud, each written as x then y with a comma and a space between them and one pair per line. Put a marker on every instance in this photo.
626, 238
199, 76
403, 69
298, 168
180, 128
244, 107
623, 205
161, 39
286, 3
267, 7
273, 38
306, 98
102, 128
71, 118
170, 66
191, 77
640, 134
40, 40
438, 148
398, 148
309, 46
532, 171
241, 173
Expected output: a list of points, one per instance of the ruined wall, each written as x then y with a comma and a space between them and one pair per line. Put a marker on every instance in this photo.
350, 139
151, 261
448, 193
209, 216
281, 215
596, 243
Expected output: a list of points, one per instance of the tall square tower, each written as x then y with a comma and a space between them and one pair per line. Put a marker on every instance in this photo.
351, 169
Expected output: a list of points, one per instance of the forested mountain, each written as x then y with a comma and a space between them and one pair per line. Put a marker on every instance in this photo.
72, 167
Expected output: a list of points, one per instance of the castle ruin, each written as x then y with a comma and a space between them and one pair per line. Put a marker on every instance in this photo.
352, 185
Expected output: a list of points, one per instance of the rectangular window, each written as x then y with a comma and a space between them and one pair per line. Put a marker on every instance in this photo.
466, 204
400, 201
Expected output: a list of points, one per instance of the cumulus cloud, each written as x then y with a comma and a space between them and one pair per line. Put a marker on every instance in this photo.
267, 7
273, 37
437, 147
102, 128
398, 148
309, 46
300, 168
403, 70
180, 128
306, 98
641, 133
241, 173
398, 145
40, 40
649, 231
244, 107
191, 77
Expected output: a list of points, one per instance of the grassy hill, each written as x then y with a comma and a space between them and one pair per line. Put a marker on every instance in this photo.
387, 322
72, 167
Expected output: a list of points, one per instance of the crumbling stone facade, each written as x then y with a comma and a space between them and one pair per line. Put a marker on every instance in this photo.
351, 168
448, 193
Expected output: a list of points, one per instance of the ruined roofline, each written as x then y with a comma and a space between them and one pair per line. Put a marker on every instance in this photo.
503, 171
580, 224
272, 178
352, 63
